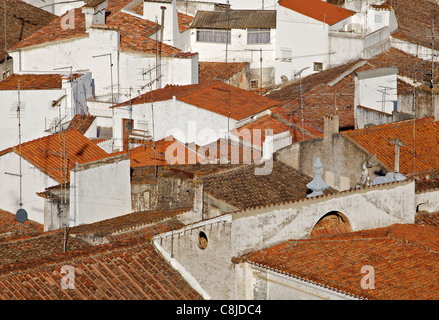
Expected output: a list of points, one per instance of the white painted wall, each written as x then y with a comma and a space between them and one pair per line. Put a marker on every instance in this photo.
33, 181
37, 113
99, 192
253, 4
306, 38
378, 93
103, 48
93, 53
185, 122
57, 7
47, 57
237, 51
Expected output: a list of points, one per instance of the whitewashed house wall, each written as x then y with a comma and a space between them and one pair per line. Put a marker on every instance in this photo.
99, 190
187, 123
300, 41
33, 180
37, 113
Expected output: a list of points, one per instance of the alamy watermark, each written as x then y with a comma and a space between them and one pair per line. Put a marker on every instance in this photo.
368, 281
68, 280
243, 146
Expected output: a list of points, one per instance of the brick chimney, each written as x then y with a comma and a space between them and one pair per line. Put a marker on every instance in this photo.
331, 126
94, 12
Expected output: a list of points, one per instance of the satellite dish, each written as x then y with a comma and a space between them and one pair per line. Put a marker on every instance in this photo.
21, 216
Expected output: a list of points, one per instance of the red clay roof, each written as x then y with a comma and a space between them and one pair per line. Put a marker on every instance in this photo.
318, 9
44, 153
244, 189
255, 132
55, 31
11, 229
215, 98
22, 20
145, 155
82, 123
212, 96
34, 81
376, 139
404, 258
208, 71
184, 21
134, 31
126, 272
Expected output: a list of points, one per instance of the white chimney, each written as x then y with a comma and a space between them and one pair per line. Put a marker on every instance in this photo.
94, 12
166, 9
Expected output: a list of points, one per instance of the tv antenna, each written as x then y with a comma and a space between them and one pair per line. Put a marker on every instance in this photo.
299, 73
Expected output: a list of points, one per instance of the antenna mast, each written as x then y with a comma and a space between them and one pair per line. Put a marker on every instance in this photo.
19, 144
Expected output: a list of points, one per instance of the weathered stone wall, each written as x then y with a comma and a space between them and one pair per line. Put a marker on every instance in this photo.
211, 266
342, 160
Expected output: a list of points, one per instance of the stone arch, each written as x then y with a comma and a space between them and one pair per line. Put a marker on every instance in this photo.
333, 222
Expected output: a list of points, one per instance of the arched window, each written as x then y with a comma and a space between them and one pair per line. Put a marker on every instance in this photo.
332, 222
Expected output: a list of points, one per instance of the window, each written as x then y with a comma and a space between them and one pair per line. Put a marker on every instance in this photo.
202, 240
258, 36
218, 36
254, 84
318, 66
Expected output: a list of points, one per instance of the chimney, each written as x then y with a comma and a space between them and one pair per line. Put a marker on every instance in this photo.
94, 12
331, 126
198, 198
164, 12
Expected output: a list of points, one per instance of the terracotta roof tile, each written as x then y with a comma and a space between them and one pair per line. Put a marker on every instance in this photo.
145, 155
22, 20
55, 31
318, 9
209, 71
11, 229
212, 96
408, 253
34, 81
215, 98
126, 272
427, 218
230, 151
414, 20
242, 188
184, 21
236, 19
258, 129
82, 123
44, 152
134, 31
376, 141
143, 221
332, 91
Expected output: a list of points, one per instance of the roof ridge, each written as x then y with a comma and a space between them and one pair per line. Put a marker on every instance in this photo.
390, 124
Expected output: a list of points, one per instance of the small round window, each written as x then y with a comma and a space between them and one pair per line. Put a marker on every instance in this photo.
202, 240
